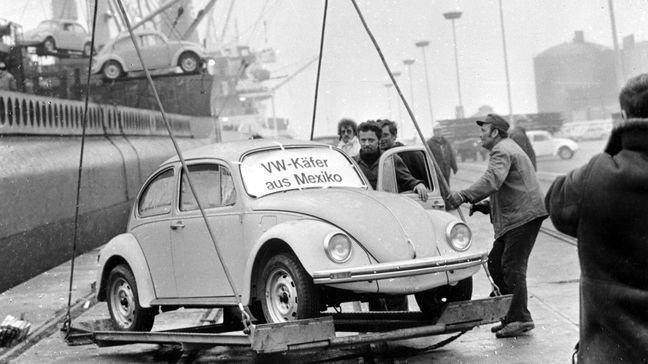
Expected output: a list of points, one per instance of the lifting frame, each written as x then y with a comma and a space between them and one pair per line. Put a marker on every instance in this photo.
316, 333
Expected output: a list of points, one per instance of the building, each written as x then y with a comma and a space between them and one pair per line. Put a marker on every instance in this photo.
576, 79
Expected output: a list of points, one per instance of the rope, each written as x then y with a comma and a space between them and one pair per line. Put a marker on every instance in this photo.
245, 318
68, 317
444, 185
319, 68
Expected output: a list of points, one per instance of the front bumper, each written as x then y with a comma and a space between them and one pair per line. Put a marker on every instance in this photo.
403, 268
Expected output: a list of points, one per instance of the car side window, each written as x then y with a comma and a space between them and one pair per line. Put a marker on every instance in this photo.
157, 197
213, 184
540, 138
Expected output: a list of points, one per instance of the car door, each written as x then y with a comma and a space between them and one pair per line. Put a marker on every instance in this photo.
542, 144
155, 51
125, 50
387, 175
151, 228
78, 38
198, 270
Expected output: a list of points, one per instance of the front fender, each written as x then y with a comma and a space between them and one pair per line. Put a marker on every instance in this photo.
125, 248
306, 239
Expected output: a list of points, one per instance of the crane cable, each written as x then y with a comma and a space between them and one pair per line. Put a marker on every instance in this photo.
68, 317
319, 68
245, 318
445, 189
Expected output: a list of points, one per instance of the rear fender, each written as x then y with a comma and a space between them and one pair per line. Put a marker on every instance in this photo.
121, 249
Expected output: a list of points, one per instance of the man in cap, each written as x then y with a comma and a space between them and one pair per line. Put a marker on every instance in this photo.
516, 206
7, 80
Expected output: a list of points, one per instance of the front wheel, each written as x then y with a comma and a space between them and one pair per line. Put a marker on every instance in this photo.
189, 62
565, 153
287, 292
112, 70
123, 302
433, 301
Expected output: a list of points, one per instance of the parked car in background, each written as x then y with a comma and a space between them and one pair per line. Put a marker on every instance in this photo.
299, 228
544, 144
59, 34
587, 130
119, 57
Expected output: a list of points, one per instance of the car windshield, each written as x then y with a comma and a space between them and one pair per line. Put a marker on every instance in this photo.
286, 169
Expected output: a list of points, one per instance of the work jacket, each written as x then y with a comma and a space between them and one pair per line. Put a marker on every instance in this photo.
605, 205
511, 183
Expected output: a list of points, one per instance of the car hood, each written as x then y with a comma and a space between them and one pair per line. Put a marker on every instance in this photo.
390, 227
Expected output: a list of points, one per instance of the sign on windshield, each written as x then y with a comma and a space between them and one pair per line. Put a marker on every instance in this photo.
296, 168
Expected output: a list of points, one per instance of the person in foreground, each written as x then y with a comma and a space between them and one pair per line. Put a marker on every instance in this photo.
517, 209
605, 205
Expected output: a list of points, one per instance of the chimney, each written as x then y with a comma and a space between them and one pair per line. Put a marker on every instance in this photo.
628, 42
579, 36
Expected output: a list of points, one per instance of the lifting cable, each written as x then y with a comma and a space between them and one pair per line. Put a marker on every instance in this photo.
319, 68
245, 318
68, 317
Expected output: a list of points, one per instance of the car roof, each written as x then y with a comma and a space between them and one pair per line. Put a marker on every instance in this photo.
232, 151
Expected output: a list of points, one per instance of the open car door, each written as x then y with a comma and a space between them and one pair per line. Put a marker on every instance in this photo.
420, 164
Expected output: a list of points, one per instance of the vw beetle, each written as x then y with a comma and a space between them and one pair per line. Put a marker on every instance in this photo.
299, 228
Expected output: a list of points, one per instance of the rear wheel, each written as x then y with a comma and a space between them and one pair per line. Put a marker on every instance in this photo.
87, 49
49, 45
287, 291
433, 301
123, 302
112, 70
189, 62
565, 153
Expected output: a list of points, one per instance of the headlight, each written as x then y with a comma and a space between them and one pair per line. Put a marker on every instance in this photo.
338, 247
458, 236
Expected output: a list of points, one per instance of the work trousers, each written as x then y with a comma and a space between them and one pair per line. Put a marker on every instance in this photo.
507, 264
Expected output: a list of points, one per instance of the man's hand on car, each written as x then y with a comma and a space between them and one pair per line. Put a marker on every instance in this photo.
455, 199
483, 207
422, 191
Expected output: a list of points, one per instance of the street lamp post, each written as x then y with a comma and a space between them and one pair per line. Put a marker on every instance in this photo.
452, 16
408, 63
506, 69
398, 104
422, 44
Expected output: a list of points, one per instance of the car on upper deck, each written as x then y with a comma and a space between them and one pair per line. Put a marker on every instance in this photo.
298, 227
119, 56
546, 145
59, 34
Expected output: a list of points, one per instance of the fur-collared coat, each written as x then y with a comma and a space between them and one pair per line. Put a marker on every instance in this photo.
605, 205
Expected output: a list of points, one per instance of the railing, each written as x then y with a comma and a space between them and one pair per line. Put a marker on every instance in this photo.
37, 115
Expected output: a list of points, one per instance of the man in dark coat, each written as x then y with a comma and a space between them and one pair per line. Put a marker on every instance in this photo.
444, 156
518, 134
414, 161
605, 204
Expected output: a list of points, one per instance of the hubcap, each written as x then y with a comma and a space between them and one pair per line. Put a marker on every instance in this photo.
122, 303
281, 296
189, 64
112, 71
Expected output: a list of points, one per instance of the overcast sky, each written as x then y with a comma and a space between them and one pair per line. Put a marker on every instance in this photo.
353, 78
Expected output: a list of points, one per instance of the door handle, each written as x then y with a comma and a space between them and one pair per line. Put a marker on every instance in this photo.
177, 225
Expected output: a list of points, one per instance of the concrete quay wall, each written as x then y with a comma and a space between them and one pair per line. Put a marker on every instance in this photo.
38, 186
